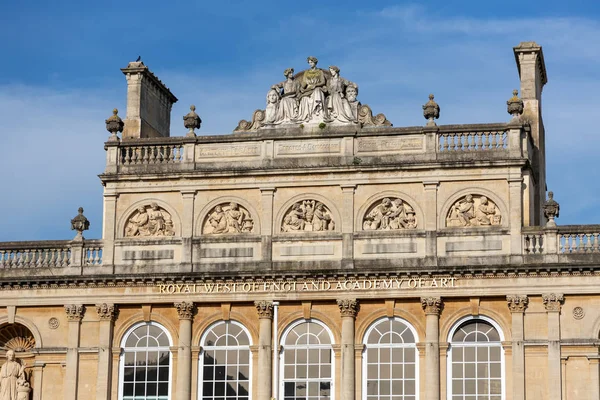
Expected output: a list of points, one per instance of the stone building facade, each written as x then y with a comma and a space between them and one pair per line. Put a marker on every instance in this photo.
318, 252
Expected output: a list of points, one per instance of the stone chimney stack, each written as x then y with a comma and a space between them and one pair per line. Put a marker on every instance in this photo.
532, 70
149, 103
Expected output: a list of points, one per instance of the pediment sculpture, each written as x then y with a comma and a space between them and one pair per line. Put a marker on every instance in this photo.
149, 221
14, 384
389, 214
308, 216
313, 96
228, 218
473, 211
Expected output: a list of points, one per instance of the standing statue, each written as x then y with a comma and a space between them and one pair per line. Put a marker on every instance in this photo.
337, 104
13, 380
312, 93
288, 90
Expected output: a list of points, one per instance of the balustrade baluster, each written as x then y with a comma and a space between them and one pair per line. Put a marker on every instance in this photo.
594, 242
588, 243
153, 157
2, 253
486, 142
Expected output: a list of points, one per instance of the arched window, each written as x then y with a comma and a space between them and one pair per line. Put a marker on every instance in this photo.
306, 361
225, 362
145, 364
390, 366
476, 361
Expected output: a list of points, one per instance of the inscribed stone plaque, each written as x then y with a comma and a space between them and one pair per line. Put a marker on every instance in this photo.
304, 148
389, 144
233, 150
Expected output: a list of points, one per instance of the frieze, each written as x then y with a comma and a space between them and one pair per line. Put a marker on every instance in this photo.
389, 214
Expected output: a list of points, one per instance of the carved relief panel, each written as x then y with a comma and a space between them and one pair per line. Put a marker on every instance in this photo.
473, 210
389, 214
228, 218
308, 216
149, 221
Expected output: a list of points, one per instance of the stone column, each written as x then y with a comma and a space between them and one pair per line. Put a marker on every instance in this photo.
74, 316
265, 338
348, 309
266, 225
107, 314
432, 307
553, 303
517, 305
184, 350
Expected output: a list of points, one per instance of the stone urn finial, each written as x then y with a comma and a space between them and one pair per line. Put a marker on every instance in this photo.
551, 209
431, 111
80, 223
114, 124
515, 106
192, 121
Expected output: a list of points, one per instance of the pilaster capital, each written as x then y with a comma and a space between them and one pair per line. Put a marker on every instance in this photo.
553, 301
106, 312
348, 188
264, 309
267, 190
348, 307
74, 312
431, 305
185, 310
517, 303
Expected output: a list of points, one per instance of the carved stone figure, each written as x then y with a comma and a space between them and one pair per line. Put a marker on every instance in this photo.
390, 214
310, 215
473, 212
351, 95
153, 222
337, 104
288, 91
312, 93
272, 110
228, 218
13, 380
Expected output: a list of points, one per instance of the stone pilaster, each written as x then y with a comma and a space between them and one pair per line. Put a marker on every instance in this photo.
430, 214
184, 350
348, 222
110, 229
432, 307
266, 225
553, 303
74, 316
107, 314
348, 310
515, 192
187, 227
264, 309
517, 305
38, 376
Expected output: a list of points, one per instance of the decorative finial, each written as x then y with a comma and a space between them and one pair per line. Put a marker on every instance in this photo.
515, 106
192, 121
114, 124
551, 209
80, 223
431, 111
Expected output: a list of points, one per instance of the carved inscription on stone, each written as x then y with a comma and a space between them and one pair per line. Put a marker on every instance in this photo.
308, 215
473, 210
315, 147
149, 221
229, 150
368, 145
228, 218
389, 214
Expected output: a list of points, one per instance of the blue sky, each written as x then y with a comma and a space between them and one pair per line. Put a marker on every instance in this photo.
60, 78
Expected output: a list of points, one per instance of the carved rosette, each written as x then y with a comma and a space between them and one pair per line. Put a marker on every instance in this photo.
74, 312
149, 221
228, 218
431, 305
551, 209
106, 312
473, 210
389, 214
308, 216
553, 301
264, 308
348, 307
517, 303
185, 309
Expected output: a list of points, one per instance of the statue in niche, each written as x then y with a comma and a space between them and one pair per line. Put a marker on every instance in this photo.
309, 215
469, 211
13, 379
337, 104
228, 218
288, 90
148, 223
390, 215
312, 93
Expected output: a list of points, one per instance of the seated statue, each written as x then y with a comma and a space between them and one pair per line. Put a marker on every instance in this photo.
337, 104
312, 93
288, 91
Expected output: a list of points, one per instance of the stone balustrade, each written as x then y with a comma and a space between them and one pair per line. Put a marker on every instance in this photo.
50, 254
472, 141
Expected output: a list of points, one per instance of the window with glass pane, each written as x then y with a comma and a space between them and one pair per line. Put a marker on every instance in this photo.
390, 361
307, 362
476, 362
145, 364
225, 363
